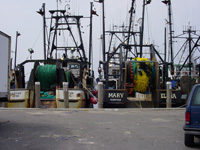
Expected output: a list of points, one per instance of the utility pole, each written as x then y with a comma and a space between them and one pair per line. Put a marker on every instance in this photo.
17, 34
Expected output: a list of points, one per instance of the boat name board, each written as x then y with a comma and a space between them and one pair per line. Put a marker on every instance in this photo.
115, 95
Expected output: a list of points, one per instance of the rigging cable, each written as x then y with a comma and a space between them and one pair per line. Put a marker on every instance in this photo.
180, 50
37, 38
36, 41
183, 53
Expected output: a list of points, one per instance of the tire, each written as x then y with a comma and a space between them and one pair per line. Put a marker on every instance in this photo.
189, 140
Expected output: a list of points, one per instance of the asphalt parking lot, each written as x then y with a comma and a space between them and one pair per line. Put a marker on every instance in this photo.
92, 129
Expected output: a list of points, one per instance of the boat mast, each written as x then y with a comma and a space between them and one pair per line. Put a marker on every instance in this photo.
165, 44
104, 44
145, 2
103, 36
42, 13
44, 27
129, 30
90, 38
168, 2
190, 53
171, 42
189, 40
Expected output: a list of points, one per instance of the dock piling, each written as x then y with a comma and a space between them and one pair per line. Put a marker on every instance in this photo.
100, 95
66, 94
169, 95
37, 95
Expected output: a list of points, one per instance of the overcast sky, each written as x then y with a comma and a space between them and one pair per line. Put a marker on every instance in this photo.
21, 16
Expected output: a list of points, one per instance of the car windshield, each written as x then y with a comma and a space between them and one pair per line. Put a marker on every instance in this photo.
196, 97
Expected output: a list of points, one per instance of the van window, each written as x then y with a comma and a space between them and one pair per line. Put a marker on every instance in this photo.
196, 97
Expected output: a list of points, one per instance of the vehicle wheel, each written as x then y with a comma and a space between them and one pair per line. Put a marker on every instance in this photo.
189, 140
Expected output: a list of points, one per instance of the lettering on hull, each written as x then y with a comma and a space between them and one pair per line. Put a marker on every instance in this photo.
115, 96
176, 97
164, 95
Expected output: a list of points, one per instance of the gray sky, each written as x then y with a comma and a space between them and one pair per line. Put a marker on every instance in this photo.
21, 16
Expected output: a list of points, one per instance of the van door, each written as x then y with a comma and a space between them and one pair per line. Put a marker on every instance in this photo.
195, 108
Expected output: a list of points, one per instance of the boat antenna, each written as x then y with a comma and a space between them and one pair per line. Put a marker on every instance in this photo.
67, 7
57, 3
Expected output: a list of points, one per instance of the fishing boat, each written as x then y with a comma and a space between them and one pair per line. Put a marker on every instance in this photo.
129, 70
135, 73
64, 60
